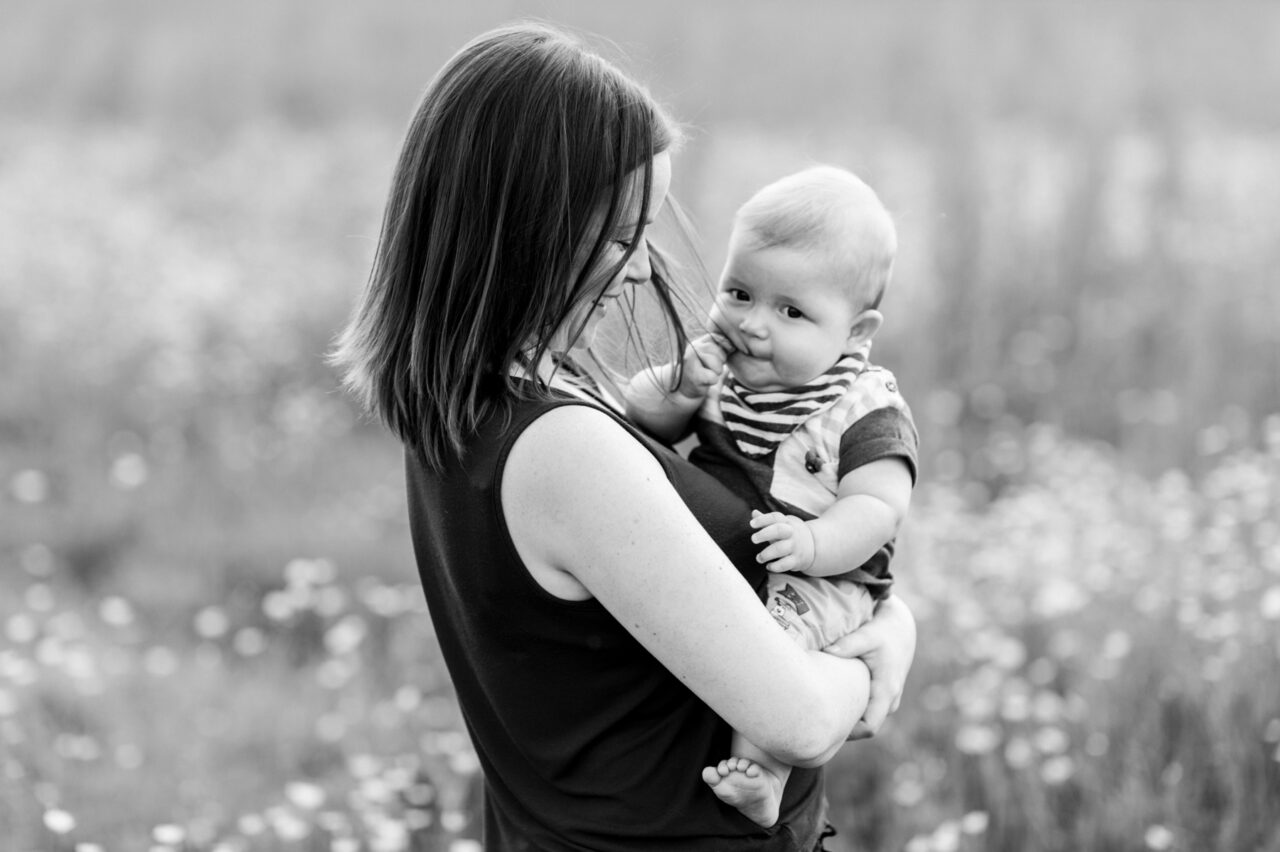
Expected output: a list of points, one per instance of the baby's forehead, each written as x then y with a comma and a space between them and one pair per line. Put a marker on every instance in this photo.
790, 271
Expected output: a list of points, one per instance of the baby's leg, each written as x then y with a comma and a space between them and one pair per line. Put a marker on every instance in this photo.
752, 781
814, 612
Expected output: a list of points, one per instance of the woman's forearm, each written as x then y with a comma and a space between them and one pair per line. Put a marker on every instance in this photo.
630, 542
848, 688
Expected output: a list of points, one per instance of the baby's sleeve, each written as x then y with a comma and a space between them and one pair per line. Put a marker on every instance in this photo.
884, 433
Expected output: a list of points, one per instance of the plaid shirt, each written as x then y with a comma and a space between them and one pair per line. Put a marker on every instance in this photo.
870, 420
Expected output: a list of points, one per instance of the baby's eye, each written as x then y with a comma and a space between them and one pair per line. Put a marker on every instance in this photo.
738, 295
793, 313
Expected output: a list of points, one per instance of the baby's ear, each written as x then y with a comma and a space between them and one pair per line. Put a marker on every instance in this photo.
865, 325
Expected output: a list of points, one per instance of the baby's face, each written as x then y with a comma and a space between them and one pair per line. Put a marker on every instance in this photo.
787, 315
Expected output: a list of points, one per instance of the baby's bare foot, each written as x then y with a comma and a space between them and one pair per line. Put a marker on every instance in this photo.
749, 787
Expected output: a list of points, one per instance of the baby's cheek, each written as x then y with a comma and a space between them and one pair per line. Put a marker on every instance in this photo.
720, 321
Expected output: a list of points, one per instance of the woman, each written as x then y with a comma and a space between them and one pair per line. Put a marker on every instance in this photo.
581, 578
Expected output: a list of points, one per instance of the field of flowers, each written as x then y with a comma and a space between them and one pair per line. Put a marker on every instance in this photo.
1097, 670
211, 635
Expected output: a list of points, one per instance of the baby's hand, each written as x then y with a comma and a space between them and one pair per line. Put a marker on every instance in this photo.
791, 545
703, 362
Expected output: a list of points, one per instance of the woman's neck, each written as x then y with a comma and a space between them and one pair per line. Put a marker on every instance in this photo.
578, 373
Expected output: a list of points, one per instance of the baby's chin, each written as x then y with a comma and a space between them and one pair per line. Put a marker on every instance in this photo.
754, 374
759, 375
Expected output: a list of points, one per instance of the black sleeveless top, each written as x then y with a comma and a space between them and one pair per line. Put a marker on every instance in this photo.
586, 741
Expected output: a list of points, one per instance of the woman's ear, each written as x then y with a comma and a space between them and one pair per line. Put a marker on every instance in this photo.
865, 325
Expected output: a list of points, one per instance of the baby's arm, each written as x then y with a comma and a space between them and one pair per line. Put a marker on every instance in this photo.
871, 502
653, 405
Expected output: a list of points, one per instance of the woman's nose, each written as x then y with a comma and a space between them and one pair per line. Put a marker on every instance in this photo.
638, 269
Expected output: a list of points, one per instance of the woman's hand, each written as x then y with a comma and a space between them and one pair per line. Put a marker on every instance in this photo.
887, 644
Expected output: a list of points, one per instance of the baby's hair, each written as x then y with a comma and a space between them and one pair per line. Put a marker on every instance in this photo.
831, 212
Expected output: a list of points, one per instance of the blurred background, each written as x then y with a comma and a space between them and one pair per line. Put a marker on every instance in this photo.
211, 633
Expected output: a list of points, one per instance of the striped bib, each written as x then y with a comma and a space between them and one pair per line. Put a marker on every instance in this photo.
760, 420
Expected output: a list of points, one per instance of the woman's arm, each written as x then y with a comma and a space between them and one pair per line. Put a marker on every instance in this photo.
591, 513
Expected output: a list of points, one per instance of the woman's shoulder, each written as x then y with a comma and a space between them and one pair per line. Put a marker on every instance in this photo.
570, 441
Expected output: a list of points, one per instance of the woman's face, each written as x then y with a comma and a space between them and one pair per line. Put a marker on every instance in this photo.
636, 272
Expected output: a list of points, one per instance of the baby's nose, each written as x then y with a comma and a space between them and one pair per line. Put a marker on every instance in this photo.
752, 324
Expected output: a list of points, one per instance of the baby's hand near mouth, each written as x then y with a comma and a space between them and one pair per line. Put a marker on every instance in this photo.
724, 341
702, 365
718, 327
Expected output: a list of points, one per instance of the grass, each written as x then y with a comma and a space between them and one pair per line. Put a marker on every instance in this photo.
1094, 672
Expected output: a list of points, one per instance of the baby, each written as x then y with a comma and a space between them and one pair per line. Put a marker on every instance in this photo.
790, 414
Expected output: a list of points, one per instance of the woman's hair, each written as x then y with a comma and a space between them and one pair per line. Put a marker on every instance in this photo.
514, 175
832, 213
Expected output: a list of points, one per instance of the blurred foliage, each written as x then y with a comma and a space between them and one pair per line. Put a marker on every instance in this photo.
920, 66
205, 592
1083, 192
1096, 671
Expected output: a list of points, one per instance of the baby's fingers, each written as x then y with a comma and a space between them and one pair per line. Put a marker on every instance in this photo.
779, 551
787, 564
722, 340
708, 352
760, 519
773, 532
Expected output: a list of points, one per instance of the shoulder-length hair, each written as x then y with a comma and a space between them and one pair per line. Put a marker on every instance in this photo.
514, 173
